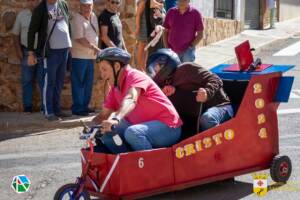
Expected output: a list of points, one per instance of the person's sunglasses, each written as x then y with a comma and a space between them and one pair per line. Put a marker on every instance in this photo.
115, 2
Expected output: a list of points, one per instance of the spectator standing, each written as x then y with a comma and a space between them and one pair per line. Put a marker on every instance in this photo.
20, 31
85, 34
155, 15
187, 18
141, 35
111, 26
50, 19
272, 7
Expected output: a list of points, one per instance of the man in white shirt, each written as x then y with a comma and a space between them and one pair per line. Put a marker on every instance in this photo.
85, 34
29, 72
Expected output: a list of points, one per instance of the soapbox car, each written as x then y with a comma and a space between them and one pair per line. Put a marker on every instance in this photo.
247, 143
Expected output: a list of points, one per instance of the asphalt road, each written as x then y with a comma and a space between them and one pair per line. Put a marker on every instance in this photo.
51, 158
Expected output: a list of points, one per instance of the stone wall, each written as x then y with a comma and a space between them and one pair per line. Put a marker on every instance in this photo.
289, 9
10, 73
219, 29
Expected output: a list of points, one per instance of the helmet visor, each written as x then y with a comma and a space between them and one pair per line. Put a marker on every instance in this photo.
155, 66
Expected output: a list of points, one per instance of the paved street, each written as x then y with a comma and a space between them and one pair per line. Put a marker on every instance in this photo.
51, 158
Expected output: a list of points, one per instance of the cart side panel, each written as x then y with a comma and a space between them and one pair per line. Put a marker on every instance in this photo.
142, 171
113, 177
248, 140
99, 169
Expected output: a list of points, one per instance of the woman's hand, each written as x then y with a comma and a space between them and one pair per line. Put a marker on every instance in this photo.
107, 125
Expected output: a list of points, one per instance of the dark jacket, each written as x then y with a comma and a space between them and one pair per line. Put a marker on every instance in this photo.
39, 24
187, 79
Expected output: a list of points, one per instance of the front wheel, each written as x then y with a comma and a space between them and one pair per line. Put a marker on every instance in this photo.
66, 192
281, 169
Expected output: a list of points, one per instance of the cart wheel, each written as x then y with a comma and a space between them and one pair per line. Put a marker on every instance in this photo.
65, 193
281, 169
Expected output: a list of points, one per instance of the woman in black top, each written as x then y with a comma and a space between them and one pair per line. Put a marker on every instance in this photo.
111, 26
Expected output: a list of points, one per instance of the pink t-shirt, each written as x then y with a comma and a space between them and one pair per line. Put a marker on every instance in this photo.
151, 105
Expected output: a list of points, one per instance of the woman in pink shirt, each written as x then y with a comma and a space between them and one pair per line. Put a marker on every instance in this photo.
142, 115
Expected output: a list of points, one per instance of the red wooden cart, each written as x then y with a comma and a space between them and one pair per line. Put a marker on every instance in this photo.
246, 143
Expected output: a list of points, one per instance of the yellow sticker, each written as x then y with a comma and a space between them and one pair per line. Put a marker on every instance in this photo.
179, 152
217, 138
261, 119
263, 133
259, 103
207, 142
257, 88
189, 149
260, 184
229, 134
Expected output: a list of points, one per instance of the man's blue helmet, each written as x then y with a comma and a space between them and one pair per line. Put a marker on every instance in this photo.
168, 61
114, 54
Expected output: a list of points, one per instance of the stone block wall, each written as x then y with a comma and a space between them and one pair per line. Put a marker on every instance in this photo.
10, 71
219, 29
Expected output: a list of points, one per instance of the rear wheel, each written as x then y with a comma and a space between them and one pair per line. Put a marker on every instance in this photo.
66, 192
281, 169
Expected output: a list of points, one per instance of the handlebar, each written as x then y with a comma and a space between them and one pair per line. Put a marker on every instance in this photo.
91, 132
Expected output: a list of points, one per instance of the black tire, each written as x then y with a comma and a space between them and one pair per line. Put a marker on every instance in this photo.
71, 187
281, 169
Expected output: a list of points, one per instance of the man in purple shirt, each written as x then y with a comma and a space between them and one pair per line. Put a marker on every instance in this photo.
183, 30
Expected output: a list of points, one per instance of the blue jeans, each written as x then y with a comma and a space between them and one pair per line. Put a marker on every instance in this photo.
147, 135
215, 116
82, 75
55, 67
29, 73
188, 55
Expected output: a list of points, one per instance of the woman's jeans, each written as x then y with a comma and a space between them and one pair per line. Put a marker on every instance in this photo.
144, 136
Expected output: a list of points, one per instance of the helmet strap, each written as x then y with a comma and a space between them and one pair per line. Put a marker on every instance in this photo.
116, 74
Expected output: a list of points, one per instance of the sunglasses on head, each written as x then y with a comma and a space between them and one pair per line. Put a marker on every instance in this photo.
115, 2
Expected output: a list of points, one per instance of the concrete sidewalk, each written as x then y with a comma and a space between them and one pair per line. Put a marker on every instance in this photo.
209, 56
20, 122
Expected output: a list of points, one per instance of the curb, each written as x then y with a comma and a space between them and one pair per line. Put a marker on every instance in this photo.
40, 125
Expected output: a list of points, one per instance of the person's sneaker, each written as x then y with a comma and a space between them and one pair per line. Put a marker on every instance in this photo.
80, 113
63, 114
52, 118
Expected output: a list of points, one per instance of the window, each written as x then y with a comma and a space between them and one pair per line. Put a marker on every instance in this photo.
224, 9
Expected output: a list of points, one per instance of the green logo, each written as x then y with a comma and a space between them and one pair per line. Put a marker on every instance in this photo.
20, 184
